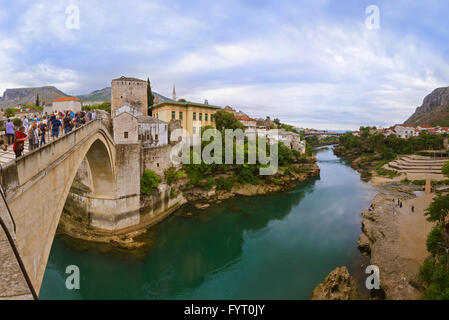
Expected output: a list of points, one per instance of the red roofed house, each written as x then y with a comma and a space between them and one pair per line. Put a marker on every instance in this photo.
67, 103
248, 122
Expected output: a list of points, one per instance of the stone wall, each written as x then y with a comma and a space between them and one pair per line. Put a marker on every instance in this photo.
125, 128
156, 159
131, 93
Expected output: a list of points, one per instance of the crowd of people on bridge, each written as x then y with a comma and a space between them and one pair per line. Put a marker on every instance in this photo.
37, 130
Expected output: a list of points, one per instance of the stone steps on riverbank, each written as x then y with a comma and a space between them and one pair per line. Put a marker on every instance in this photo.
414, 164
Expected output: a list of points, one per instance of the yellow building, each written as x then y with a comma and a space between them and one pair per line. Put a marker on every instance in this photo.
192, 115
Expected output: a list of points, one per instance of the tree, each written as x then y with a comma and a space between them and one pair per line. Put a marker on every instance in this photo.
148, 182
37, 100
227, 120
277, 121
10, 112
445, 169
438, 210
150, 95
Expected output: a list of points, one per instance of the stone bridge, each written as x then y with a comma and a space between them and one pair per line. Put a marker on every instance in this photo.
37, 184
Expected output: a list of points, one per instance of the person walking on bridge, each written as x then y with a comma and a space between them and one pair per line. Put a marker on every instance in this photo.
56, 126
19, 144
10, 132
67, 123
43, 128
33, 137
26, 124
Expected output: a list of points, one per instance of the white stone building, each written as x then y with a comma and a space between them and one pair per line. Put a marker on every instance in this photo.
68, 103
131, 126
405, 131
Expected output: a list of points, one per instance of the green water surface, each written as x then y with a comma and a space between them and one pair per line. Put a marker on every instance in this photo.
265, 247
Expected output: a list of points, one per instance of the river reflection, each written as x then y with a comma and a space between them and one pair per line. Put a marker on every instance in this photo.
265, 247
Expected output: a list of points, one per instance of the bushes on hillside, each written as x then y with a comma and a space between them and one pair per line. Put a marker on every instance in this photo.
224, 184
149, 181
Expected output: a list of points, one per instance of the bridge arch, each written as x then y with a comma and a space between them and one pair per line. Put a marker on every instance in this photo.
37, 186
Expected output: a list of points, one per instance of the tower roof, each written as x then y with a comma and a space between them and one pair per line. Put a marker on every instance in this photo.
122, 78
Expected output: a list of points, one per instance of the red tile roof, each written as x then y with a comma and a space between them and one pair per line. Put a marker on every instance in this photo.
66, 99
245, 118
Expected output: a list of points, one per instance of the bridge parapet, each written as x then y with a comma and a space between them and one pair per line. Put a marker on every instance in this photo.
35, 163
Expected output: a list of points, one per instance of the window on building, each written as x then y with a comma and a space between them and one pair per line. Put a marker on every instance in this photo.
173, 115
156, 137
206, 117
125, 134
201, 116
211, 118
194, 130
180, 115
194, 116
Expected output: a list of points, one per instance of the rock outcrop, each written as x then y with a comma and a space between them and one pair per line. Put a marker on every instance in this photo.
338, 285
435, 108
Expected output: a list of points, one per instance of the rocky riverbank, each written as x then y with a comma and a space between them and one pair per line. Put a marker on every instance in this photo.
75, 222
278, 183
394, 241
338, 285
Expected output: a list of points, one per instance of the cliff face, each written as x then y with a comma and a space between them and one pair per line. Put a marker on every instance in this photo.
434, 110
14, 97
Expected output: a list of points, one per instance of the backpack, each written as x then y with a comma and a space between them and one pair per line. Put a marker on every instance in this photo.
43, 127
67, 123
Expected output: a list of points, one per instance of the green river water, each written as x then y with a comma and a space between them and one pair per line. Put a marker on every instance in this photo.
276, 246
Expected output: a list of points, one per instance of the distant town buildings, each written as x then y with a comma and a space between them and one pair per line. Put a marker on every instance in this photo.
406, 131
249, 123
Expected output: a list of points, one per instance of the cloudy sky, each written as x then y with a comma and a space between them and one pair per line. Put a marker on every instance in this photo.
310, 63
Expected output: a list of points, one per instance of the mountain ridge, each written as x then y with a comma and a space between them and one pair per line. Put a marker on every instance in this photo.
19, 96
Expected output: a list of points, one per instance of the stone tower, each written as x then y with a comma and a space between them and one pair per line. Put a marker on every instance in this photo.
129, 92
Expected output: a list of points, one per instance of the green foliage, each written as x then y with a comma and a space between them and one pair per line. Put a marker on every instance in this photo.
149, 181
172, 175
37, 101
247, 174
445, 169
285, 155
224, 184
208, 184
17, 122
106, 106
434, 274
384, 172
389, 147
438, 209
315, 142
435, 237
150, 95
227, 120
10, 112
435, 270
182, 100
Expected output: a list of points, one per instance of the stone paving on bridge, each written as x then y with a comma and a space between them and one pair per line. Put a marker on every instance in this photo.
8, 155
